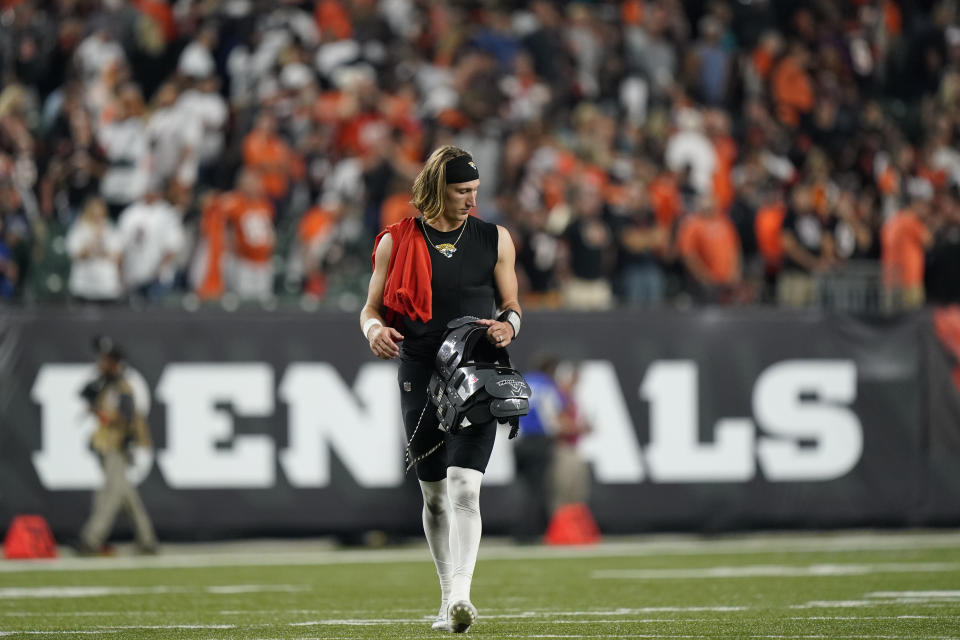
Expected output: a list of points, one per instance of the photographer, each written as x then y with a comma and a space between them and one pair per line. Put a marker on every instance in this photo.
119, 427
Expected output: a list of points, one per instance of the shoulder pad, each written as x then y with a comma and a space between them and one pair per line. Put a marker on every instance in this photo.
508, 383
462, 320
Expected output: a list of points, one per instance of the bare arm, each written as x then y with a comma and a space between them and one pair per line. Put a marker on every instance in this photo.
505, 278
383, 339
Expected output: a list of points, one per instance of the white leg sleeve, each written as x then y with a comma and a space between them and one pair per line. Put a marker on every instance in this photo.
436, 525
463, 485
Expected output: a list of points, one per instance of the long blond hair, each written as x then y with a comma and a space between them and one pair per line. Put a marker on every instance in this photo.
429, 189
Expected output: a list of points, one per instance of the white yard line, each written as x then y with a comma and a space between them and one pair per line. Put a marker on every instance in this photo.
114, 630
99, 591
839, 604
664, 635
515, 618
857, 618
78, 614
72, 632
587, 616
118, 629
856, 636
772, 637
228, 589
355, 622
670, 635
173, 626
926, 595
532, 617
775, 571
631, 635
876, 603
616, 612
642, 610
682, 636
83, 591
523, 617
229, 555
509, 612
317, 612
618, 616
621, 621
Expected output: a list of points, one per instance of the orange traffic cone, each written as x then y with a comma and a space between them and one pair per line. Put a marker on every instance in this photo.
572, 524
29, 537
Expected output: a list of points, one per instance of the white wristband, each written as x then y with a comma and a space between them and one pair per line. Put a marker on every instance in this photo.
369, 324
513, 318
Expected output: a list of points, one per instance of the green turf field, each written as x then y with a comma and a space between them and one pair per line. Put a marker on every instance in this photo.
849, 585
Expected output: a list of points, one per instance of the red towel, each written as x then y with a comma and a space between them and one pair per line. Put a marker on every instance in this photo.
407, 290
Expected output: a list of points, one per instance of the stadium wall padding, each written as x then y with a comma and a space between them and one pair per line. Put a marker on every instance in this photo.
283, 423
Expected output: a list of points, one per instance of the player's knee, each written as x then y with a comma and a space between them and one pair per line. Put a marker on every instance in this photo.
435, 501
466, 501
435, 505
464, 488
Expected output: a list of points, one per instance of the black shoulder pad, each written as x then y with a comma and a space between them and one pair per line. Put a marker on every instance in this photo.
462, 320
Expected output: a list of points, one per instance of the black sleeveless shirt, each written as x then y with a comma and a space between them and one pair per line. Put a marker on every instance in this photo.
462, 285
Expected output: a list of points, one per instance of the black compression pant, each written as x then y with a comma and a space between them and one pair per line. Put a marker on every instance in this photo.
470, 448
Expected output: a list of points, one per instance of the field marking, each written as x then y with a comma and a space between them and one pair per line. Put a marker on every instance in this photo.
771, 637
630, 635
839, 604
587, 615
584, 617
515, 617
865, 636
538, 635
852, 604
78, 614
99, 591
356, 622
229, 589
616, 621
54, 633
927, 595
852, 618
119, 628
113, 629
641, 610
516, 612
227, 555
420, 637
173, 626
83, 592
775, 571
237, 612
531, 616
622, 611
31, 632
666, 636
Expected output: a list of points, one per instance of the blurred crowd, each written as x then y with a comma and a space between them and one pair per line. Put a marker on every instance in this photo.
707, 151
